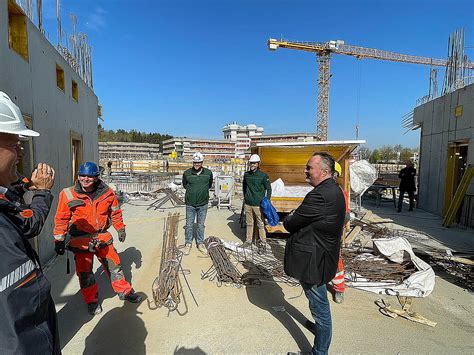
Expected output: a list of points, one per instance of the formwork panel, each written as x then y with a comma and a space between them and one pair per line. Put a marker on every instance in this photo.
435, 167
424, 177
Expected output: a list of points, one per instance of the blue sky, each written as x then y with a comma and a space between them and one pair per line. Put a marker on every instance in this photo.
187, 67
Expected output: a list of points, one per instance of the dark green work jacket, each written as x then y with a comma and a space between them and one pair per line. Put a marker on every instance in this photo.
256, 184
197, 187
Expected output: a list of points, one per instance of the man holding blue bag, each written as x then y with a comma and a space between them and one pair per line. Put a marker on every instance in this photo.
256, 186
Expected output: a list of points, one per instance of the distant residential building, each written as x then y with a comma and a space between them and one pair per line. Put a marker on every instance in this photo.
242, 135
128, 151
286, 137
211, 148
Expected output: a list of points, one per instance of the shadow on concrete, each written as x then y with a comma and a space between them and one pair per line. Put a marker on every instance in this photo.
268, 295
119, 331
74, 314
234, 225
192, 351
454, 238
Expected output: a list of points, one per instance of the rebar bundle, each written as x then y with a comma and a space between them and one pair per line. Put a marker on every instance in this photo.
222, 268
170, 195
167, 286
266, 266
375, 268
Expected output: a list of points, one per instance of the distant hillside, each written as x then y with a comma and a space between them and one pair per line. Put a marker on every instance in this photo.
122, 135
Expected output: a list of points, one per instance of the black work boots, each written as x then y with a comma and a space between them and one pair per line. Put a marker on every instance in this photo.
131, 297
94, 308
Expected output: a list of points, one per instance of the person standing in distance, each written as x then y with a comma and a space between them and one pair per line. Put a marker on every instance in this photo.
256, 186
407, 184
312, 250
197, 181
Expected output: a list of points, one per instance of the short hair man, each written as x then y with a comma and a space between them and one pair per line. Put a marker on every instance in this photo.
407, 184
312, 250
256, 185
197, 181
29, 321
85, 213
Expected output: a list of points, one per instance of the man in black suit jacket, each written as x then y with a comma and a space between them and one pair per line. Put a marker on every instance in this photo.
407, 184
312, 251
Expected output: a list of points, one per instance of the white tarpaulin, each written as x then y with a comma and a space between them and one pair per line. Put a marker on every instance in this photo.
363, 175
280, 190
419, 284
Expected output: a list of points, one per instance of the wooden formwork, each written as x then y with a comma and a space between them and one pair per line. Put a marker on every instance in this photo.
287, 161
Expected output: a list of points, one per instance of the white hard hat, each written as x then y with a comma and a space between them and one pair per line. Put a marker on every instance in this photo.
198, 158
254, 158
11, 119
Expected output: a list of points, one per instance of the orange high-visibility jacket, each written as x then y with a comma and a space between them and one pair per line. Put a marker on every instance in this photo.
85, 216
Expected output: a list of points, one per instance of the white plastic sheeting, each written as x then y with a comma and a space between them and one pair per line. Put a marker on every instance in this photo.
280, 190
419, 284
363, 175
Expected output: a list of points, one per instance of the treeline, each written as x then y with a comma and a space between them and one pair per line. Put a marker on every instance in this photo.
388, 154
122, 135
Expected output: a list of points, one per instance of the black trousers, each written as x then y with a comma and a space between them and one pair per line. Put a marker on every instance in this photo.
411, 196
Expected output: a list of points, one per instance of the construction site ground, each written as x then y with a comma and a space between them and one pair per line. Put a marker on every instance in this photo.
244, 321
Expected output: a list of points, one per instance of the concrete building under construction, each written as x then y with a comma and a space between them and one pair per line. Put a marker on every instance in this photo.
54, 99
446, 150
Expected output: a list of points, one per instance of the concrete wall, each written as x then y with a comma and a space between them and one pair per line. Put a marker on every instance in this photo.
32, 86
439, 128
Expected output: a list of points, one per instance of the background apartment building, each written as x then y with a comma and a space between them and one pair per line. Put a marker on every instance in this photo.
211, 148
287, 137
128, 151
242, 136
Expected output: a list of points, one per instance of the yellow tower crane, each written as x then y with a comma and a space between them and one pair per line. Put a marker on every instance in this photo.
323, 52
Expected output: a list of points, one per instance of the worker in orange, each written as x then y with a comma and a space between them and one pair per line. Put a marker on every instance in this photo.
85, 212
338, 280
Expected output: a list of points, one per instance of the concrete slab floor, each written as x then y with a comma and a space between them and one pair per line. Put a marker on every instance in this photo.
239, 321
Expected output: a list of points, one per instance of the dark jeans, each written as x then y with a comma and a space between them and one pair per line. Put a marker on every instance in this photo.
319, 307
411, 196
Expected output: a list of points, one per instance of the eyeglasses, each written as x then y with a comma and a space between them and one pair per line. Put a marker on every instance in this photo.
16, 146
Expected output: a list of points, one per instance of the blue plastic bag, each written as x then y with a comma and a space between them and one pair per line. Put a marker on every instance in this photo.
269, 211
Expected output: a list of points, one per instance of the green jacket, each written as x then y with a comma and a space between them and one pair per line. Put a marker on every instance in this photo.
256, 184
197, 187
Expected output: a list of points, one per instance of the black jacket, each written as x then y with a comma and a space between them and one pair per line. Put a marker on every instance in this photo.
407, 176
312, 250
29, 322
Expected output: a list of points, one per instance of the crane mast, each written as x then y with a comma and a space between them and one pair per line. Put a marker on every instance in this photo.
323, 52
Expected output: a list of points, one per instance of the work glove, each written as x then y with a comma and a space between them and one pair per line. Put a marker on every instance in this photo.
60, 247
122, 235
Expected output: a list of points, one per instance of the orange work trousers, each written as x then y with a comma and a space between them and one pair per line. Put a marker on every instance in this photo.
110, 262
338, 280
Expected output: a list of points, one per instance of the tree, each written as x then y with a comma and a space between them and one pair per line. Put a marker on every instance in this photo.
364, 152
387, 154
122, 135
406, 154
374, 157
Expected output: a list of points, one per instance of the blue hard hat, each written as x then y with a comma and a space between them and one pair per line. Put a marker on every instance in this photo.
89, 169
